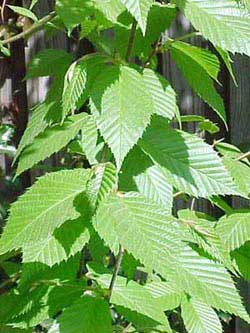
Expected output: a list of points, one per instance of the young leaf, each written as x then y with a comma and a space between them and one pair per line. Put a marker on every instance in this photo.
50, 141
234, 229
95, 317
24, 12
139, 9
199, 67
43, 208
223, 22
159, 20
199, 318
122, 108
192, 165
79, 80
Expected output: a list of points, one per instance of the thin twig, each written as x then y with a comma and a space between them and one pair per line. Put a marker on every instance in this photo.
189, 35
2, 11
242, 157
34, 28
117, 268
131, 40
152, 53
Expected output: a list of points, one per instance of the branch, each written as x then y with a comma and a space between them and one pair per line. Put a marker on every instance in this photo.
34, 28
242, 157
117, 268
131, 40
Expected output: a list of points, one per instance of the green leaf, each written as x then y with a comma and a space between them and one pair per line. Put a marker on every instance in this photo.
162, 94
33, 273
201, 231
240, 173
24, 12
199, 67
154, 184
225, 56
64, 243
110, 8
223, 22
159, 20
50, 141
168, 295
43, 208
140, 174
36, 125
121, 218
241, 259
89, 139
95, 317
48, 62
103, 183
234, 229
136, 298
8, 329
78, 81
191, 164
122, 108
139, 9
71, 13
208, 281
199, 318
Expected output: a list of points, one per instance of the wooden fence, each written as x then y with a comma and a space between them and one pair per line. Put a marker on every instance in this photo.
16, 97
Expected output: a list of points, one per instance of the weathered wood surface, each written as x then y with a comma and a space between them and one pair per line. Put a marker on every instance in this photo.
240, 136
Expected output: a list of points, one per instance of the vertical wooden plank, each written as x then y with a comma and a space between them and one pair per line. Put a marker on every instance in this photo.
240, 135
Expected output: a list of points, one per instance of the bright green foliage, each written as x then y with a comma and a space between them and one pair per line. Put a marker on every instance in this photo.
169, 296
134, 297
50, 141
199, 67
163, 95
95, 317
36, 125
99, 244
207, 280
159, 20
140, 174
139, 9
191, 165
53, 200
199, 318
122, 107
223, 22
78, 81
104, 182
126, 217
65, 242
234, 229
